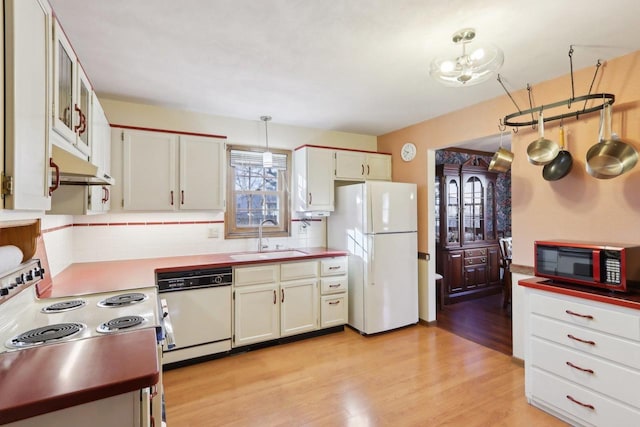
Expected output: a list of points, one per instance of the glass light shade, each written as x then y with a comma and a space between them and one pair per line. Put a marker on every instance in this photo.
467, 70
267, 159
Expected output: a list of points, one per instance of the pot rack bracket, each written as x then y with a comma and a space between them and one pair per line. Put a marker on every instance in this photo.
606, 98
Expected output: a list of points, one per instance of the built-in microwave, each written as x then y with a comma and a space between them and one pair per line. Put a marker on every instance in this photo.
600, 265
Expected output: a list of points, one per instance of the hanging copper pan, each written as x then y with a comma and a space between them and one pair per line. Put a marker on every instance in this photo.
611, 157
542, 150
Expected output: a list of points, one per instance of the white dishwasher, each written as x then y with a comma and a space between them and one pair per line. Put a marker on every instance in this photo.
198, 304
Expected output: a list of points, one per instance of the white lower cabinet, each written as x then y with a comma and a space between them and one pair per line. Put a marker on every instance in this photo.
284, 299
582, 359
334, 303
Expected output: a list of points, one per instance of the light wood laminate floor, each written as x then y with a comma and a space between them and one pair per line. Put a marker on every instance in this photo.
416, 376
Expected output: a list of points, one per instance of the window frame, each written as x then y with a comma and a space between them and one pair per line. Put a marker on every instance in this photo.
231, 230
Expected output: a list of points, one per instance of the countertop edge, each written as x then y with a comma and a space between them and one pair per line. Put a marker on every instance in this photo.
593, 295
38, 400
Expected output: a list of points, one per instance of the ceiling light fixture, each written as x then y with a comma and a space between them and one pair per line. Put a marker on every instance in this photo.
267, 156
470, 68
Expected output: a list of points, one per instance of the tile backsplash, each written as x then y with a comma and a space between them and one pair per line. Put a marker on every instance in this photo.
72, 239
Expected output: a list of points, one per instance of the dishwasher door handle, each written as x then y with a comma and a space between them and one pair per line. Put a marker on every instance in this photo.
166, 324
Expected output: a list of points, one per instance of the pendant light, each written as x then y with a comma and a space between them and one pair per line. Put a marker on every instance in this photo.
475, 65
267, 156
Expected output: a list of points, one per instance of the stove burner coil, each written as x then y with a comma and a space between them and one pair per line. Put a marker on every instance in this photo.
123, 299
45, 334
64, 306
120, 323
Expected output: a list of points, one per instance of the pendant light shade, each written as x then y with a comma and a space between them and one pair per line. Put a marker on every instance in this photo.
267, 156
476, 63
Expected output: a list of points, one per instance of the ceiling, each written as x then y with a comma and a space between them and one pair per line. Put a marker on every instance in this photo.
346, 65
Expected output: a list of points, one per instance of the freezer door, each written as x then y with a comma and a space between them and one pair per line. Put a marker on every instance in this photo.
391, 207
391, 286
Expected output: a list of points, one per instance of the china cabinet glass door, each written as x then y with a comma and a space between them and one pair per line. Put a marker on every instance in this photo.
474, 215
453, 211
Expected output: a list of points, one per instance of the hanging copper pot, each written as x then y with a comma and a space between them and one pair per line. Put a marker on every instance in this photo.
502, 159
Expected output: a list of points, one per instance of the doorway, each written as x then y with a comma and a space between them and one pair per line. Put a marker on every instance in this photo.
475, 311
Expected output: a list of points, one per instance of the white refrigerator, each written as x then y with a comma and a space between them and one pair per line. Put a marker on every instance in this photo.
376, 222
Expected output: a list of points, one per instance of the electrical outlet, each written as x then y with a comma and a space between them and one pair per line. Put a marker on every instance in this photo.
212, 233
302, 228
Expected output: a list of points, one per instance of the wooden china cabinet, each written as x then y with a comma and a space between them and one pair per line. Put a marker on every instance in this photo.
467, 251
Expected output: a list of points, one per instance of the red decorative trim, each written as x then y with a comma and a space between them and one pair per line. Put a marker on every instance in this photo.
169, 131
144, 223
339, 148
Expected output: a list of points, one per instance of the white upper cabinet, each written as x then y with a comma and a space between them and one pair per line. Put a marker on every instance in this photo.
360, 166
71, 96
165, 172
26, 180
313, 179
201, 173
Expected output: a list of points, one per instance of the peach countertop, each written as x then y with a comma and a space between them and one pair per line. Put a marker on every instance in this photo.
106, 365
629, 300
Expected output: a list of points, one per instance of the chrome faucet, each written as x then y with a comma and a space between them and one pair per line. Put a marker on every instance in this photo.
260, 232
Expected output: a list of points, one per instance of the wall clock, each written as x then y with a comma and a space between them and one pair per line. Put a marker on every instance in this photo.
408, 151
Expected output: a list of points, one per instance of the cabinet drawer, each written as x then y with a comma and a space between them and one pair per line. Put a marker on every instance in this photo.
590, 372
334, 310
267, 273
563, 397
333, 285
475, 252
597, 316
478, 260
333, 266
298, 270
587, 341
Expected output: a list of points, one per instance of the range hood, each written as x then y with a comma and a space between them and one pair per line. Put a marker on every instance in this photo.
77, 171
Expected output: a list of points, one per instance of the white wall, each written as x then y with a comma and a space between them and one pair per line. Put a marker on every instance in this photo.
124, 235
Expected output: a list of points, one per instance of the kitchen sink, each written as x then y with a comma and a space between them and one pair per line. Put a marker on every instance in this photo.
254, 256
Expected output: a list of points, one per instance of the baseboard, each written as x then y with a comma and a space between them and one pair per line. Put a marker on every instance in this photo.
517, 361
426, 323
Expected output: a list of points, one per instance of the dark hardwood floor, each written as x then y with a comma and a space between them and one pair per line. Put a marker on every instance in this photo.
482, 321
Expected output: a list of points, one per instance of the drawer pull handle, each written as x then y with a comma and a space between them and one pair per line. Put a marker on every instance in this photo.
584, 316
334, 302
484, 260
337, 285
579, 368
581, 340
586, 405
337, 267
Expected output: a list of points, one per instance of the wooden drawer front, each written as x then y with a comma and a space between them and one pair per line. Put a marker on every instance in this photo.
298, 270
334, 310
597, 374
475, 252
557, 393
333, 266
594, 316
267, 273
333, 285
588, 341
479, 260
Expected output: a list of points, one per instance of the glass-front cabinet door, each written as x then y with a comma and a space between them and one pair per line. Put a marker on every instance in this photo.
83, 109
65, 118
473, 209
452, 218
